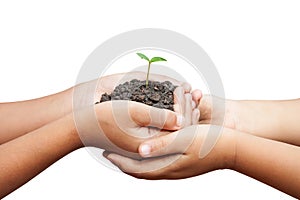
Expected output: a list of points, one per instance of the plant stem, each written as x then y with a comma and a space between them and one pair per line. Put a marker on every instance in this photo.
148, 74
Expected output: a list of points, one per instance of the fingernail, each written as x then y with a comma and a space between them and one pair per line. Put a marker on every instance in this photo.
111, 157
105, 154
145, 149
180, 120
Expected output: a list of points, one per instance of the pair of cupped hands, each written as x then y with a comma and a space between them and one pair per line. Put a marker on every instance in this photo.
152, 143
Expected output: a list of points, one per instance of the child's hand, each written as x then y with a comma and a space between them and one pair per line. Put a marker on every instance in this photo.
120, 126
215, 110
177, 155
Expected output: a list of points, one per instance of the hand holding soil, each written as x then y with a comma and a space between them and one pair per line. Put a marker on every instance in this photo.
125, 124
259, 139
161, 93
48, 130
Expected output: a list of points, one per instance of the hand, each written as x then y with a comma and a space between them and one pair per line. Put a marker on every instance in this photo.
273, 119
177, 155
123, 125
215, 110
87, 94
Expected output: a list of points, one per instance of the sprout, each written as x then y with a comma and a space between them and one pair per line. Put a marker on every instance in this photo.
154, 59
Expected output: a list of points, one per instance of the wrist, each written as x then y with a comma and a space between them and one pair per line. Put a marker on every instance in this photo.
65, 102
243, 114
90, 124
72, 133
218, 111
222, 153
232, 115
227, 148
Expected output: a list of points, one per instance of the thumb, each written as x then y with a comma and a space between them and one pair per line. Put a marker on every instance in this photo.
144, 115
197, 95
173, 143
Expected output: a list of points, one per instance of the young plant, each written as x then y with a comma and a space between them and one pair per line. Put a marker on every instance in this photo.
154, 59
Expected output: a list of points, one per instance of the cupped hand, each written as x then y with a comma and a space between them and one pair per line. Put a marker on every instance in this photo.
178, 154
215, 110
120, 126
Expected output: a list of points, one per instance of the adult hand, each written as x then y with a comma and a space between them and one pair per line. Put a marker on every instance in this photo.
177, 155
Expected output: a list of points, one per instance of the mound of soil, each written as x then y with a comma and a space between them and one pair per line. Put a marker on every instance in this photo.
157, 94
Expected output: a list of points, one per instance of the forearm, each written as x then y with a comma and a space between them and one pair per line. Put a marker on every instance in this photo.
25, 157
274, 163
277, 120
19, 118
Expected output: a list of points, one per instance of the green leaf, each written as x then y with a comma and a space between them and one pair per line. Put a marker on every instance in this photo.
157, 59
142, 56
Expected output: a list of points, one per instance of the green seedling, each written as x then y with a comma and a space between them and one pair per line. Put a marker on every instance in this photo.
154, 59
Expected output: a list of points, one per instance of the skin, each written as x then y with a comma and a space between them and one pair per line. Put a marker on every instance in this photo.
28, 155
33, 114
277, 120
244, 145
24, 154
33, 151
244, 153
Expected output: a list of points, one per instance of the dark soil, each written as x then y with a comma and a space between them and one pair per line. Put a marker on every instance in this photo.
157, 94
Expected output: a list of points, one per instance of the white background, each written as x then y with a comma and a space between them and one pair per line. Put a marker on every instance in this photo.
254, 44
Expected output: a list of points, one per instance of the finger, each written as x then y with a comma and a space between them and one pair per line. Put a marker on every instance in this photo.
197, 95
193, 105
188, 109
105, 153
152, 168
195, 116
187, 87
179, 100
122, 162
173, 143
144, 115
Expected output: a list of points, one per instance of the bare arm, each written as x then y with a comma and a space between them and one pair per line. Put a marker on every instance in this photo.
25, 157
276, 120
274, 163
19, 118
